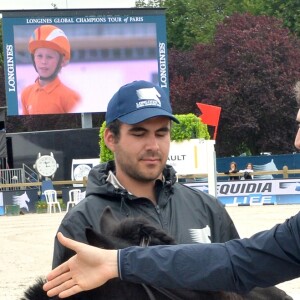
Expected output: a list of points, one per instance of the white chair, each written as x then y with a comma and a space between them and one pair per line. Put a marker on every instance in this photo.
82, 195
51, 199
74, 198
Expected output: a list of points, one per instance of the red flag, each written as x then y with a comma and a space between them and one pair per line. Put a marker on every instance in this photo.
210, 115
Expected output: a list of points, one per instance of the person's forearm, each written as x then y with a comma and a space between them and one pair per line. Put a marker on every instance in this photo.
265, 259
176, 266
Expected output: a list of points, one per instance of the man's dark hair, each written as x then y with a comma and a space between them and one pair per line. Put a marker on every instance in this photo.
114, 127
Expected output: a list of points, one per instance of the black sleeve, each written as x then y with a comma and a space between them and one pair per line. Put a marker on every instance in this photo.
73, 228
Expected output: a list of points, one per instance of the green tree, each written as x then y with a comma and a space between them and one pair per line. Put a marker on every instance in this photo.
149, 3
249, 70
288, 10
189, 22
193, 21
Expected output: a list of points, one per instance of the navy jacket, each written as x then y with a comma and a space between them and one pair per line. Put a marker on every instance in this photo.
265, 259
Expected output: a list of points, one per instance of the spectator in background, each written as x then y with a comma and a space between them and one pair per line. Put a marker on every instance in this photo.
233, 169
247, 172
50, 51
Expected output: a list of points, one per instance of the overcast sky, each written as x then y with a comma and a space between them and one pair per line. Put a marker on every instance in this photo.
46, 4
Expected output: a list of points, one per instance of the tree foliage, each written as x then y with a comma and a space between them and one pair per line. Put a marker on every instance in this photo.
288, 10
190, 127
150, 3
189, 22
249, 70
192, 22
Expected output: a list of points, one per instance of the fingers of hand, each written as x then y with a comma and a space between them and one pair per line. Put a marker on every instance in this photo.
65, 289
64, 268
57, 282
69, 243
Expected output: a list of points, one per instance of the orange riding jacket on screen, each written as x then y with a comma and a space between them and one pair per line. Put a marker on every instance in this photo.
53, 98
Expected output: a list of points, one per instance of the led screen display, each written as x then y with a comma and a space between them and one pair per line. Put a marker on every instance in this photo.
73, 61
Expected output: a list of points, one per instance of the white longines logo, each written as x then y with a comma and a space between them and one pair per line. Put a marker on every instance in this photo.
148, 97
202, 235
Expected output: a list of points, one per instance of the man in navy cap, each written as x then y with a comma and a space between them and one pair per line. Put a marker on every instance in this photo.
138, 182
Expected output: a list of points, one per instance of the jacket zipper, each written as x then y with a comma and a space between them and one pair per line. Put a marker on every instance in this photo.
157, 208
159, 215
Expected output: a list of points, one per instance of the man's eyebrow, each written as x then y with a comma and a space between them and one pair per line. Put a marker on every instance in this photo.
137, 128
165, 128
140, 128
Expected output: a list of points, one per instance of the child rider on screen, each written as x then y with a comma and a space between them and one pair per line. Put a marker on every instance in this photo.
50, 51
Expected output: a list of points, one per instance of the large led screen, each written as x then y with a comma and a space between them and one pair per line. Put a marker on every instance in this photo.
107, 49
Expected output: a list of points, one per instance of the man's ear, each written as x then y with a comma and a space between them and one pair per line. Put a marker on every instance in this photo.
109, 139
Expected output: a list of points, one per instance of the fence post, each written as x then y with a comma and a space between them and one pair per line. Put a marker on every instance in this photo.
285, 172
84, 181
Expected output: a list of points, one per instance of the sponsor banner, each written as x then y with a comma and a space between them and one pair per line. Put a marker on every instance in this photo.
256, 192
191, 157
26, 199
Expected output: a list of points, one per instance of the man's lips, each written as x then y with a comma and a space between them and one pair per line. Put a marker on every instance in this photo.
151, 160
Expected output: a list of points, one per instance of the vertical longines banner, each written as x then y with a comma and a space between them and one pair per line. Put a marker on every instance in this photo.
109, 48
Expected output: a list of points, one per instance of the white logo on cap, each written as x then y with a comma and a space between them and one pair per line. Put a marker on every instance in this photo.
148, 97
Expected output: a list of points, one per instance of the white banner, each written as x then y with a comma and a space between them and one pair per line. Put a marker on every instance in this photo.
191, 157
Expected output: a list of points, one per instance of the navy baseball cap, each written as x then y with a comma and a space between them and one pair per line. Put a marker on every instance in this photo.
138, 101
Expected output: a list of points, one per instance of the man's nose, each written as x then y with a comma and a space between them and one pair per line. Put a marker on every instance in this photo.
152, 142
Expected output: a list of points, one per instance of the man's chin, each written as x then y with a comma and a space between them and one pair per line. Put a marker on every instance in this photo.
151, 176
